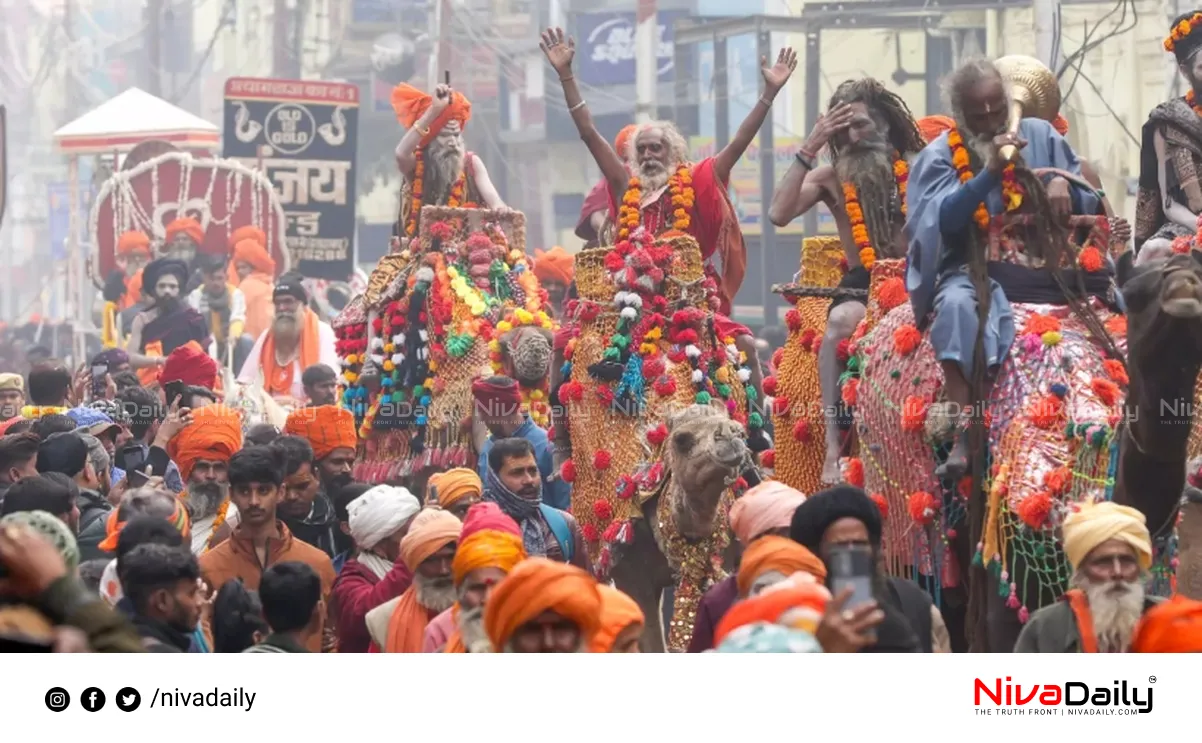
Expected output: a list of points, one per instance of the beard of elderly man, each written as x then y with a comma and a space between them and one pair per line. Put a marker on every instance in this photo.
1110, 550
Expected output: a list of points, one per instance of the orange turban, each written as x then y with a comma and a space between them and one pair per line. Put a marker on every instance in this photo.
133, 290
456, 484
430, 531
1060, 124
251, 251
410, 103
490, 539
133, 241
622, 141
191, 365
555, 264
618, 611
189, 227
1172, 627
215, 433
113, 525
326, 428
780, 554
537, 585
930, 127
771, 605
247, 232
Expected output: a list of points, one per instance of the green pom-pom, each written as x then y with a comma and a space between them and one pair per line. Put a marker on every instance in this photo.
618, 340
752, 393
978, 559
755, 420
853, 364
1098, 438
398, 398
895, 374
916, 381
724, 390
418, 391
612, 354
703, 398
1069, 431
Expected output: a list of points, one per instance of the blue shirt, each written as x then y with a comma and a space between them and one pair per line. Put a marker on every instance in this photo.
556, 493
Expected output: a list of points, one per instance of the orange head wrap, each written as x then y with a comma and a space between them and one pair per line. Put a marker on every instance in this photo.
215, 434
191, 365
555, 264
430, 531
780, 554
189, 227
1172, 627
133, 288
113, 525
326, 428
252, 251
133, 241
489, 539
537, 585
410, 103
1060, 124
456, 484
622, 141
247, 232
618, 611
931, 127
772, 605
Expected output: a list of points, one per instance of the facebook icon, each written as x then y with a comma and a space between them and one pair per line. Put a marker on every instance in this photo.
92, 699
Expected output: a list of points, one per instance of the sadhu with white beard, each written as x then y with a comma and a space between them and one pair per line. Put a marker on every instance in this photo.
437, 168
1110, 551
296, 340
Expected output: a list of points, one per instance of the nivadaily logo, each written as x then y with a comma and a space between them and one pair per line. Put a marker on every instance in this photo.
1069, 698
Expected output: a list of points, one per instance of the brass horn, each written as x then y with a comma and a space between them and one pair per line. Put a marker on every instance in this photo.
1034, 92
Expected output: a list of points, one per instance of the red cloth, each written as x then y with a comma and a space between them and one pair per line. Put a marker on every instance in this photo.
191, 365
357, 591
487, 516
486, 392
596, 201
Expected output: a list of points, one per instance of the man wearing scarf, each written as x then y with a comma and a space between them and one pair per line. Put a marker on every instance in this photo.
253, 272
513, 482
1110, 551
555, 269
455, 490
428, 550
330, 430
763, 510
168, 323
202, 451
543, 607
296, 340
225, 307
845, 515
498, 404
1170, 152
490, 545
378, 521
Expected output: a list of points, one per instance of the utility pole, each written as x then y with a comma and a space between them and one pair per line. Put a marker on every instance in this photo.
154, 46
440, 33
1047, 31
279, 39
646, 55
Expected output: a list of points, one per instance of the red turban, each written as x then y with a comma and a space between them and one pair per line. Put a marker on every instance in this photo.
326, 428
1172, 627
410, 103
215, 434
189, 227
133, 241
555, 264
500, 394
191, 365
932, 126
1060, 124
249, 250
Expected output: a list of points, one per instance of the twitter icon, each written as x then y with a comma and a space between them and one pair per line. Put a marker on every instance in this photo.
128, 699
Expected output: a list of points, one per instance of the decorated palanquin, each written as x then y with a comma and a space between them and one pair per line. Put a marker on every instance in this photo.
1051, 419
460, 301
642, 345
799, 414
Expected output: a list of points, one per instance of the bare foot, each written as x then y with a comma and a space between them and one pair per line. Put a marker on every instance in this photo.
957, 461
831, 475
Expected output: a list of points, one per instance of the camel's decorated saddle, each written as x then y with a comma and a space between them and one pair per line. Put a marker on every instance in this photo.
642, 346
460, 302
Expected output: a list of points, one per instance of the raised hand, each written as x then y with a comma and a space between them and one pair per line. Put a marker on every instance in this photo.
778, 74
559, 50
829, 124
442, 98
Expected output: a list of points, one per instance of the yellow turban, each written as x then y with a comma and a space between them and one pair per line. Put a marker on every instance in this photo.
456, 484
489, 539
1100, 522
430, 531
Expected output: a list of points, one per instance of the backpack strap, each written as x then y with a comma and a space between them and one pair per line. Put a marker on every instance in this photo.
559, 528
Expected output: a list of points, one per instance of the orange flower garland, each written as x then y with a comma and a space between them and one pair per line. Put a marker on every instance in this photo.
1192, 100
680, 187
1182, 30
855, 213
415, 204
458, 191
1012, 194
1090, 259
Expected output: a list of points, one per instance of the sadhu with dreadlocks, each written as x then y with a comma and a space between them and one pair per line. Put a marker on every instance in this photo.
958, 173
871, 133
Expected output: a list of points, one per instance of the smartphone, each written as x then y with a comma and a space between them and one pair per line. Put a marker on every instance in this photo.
137, 478
851, 565
99, 372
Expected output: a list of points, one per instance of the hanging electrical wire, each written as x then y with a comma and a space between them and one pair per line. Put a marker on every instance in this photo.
228, 14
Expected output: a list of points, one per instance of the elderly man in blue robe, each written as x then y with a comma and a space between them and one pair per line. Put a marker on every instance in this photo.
943, 233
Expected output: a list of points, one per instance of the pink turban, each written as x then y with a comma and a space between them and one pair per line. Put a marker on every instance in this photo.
769, 505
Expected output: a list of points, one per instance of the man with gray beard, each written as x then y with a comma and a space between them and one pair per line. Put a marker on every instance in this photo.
949, 234
870, 131
1110, 551
296, 340
432, 158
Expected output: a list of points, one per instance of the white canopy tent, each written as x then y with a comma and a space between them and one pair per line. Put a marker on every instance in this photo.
121, 123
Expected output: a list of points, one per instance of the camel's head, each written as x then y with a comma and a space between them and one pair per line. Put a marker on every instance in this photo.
1164, 305
706, 452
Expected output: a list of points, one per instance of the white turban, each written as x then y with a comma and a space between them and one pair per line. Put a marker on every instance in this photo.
380, 512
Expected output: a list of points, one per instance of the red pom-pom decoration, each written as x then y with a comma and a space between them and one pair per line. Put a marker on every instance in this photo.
567, 472
801, 431
882, 505
853, 472
780, 406
914, 414
768, 459
793, 320
923, 507
603, 510
843, 351
590, 533
602, 459
657, 435
851, 392
1035, 509
770, 386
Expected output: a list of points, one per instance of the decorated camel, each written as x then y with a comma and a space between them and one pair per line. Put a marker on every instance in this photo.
654, 409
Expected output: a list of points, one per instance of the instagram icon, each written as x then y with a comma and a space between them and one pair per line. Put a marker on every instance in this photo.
57, 699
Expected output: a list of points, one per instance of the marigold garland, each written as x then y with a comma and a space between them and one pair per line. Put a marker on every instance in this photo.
1040, 324
218, 520
1117, 325
415, 201
1180, 32
1012, 194
32, 412
683, 198
1090, 259
855, 212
